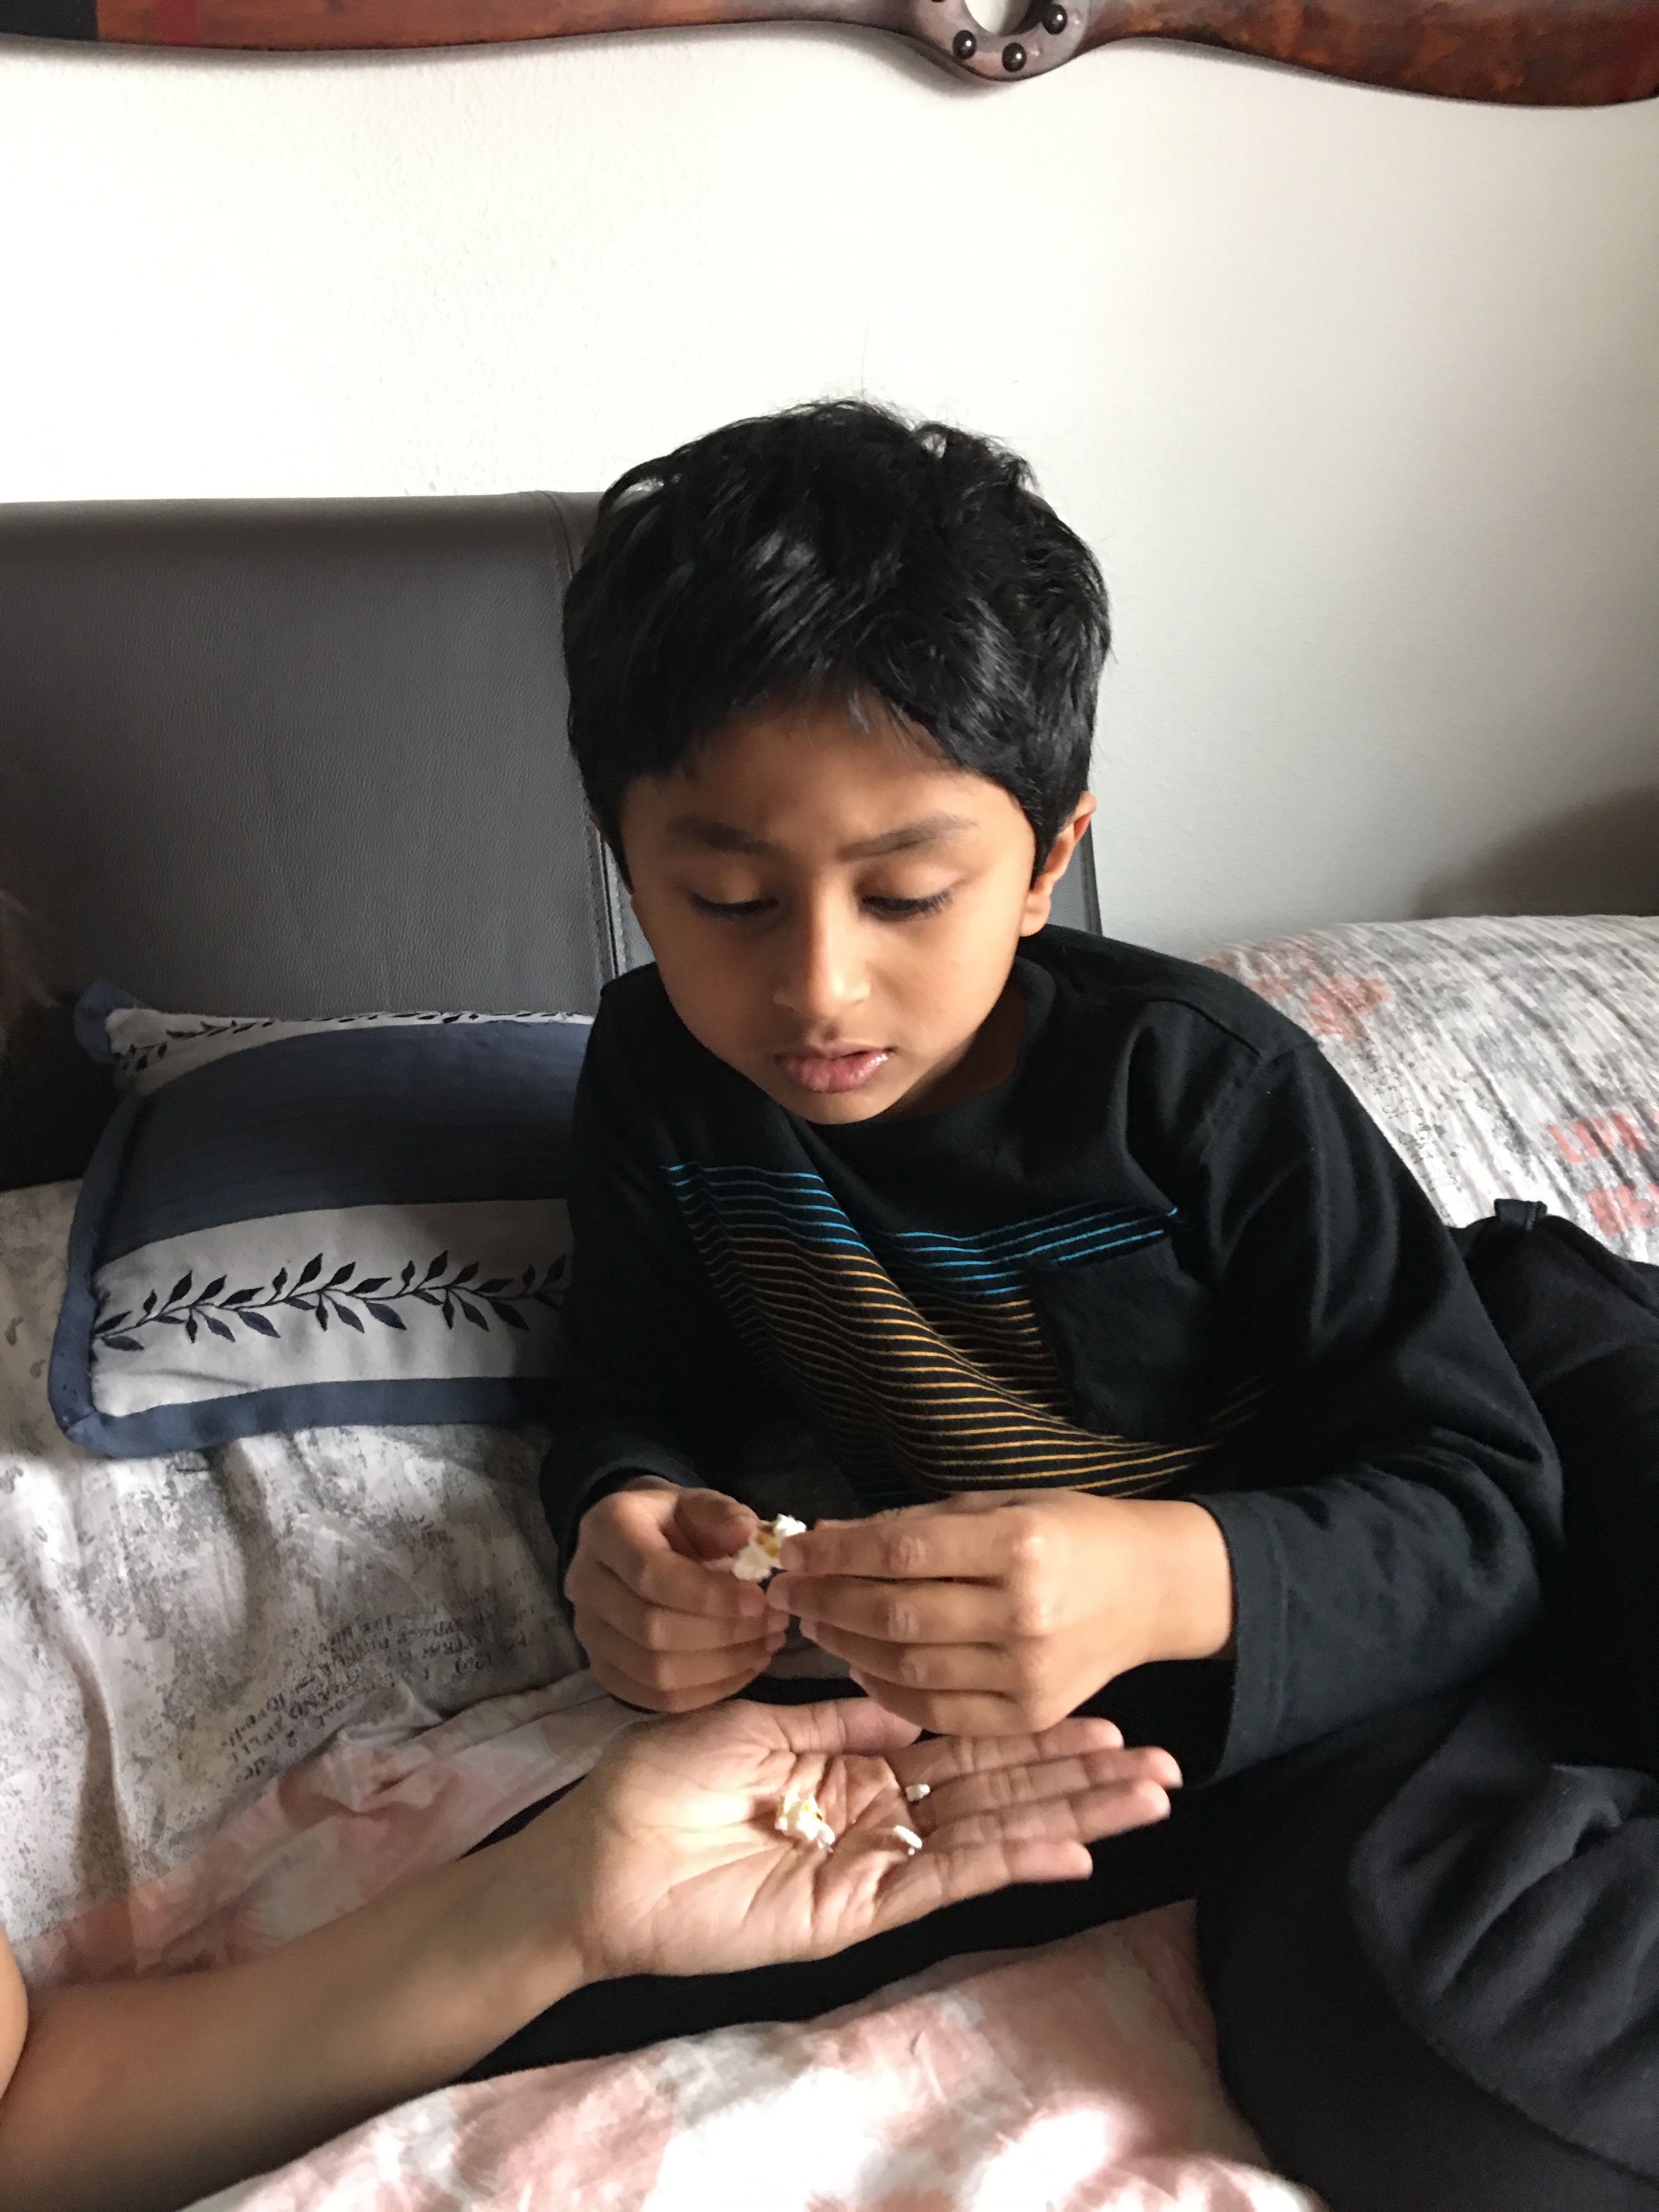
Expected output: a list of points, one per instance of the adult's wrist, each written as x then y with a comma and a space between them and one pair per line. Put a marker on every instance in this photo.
528, 1915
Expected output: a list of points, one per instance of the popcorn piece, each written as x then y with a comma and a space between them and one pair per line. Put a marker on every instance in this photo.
757, 1562
801, 1815
915, 1791
909, 1839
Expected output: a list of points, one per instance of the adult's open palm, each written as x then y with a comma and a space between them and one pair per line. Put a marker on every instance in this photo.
678, 1869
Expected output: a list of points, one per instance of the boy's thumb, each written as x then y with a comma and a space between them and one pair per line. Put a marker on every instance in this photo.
713, 1525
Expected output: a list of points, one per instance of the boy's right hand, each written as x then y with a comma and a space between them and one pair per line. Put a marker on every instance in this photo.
663, 1625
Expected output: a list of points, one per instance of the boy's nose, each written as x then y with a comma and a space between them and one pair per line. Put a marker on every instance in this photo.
823, 974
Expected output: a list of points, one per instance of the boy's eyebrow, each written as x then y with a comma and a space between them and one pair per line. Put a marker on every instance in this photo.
724, 837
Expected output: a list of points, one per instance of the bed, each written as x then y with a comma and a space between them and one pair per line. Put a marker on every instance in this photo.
278, 772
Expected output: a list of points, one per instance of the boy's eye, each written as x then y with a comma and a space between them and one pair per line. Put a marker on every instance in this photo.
901, 909
888, 909
731, 909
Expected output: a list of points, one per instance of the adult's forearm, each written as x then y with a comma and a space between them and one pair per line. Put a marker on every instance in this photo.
148, 2095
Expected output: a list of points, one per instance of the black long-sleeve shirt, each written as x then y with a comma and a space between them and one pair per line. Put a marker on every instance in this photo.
1170, 1255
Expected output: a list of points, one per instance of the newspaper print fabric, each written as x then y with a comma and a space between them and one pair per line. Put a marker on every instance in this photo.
1508, 1057
176, 1634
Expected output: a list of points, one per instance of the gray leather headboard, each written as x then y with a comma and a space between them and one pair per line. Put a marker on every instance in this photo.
294, 757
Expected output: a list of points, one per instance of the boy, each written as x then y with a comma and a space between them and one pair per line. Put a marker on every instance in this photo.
1158, 1390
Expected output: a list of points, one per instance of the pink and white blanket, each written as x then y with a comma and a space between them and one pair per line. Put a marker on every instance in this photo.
242, 1691
1077, 2076
1082, 2076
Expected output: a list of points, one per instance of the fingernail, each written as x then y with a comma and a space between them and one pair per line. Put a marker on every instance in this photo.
777, 1600
808, 1628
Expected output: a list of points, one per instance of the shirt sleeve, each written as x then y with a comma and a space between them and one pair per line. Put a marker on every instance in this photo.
1400, 1552
648, 1378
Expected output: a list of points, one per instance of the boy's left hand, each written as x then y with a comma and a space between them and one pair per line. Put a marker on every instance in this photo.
998, 1613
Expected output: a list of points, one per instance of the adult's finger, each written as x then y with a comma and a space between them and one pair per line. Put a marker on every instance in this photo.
925, 1543
1085, 1818
836, 1725
946, 1756
610, 1652
631, 1542
931, 1877
1005, 1793
599, 1590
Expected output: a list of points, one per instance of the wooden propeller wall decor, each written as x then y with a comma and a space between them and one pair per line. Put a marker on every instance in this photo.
1539, 53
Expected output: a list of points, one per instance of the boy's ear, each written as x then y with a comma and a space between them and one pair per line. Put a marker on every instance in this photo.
1040, 897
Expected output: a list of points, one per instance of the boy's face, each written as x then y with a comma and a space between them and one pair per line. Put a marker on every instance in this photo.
834, 910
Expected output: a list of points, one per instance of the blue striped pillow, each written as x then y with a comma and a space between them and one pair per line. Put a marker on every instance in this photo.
290, 1224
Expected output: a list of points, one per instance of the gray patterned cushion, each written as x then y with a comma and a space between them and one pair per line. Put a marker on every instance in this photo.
1507, 1058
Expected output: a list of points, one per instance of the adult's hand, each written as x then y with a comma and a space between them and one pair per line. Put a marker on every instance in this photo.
662, 1625
151, 2093
668, 1860
995, 1612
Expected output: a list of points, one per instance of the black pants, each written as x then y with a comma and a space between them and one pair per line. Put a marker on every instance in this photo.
1345, 2098
1346, 2095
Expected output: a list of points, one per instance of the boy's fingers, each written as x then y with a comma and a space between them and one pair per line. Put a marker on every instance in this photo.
641, 1558
897, 1612
925, 1666
708, 1525
654, 1700
922, 1543
612, 1652
654, 1627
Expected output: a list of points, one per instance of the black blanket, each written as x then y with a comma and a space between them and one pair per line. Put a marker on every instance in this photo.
1507, 1895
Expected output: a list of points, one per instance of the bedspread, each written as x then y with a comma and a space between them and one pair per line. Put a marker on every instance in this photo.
1079, 2077
243, 1691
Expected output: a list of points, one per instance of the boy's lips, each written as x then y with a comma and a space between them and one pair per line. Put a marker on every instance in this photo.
823, 1073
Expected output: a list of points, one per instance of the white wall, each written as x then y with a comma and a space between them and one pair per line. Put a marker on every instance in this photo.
1356, 395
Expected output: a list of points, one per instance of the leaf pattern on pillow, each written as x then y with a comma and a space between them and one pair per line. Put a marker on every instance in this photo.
136, 1061
134, 1058
496, 1300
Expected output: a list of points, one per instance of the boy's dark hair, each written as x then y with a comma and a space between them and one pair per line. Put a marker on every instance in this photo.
838, 548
